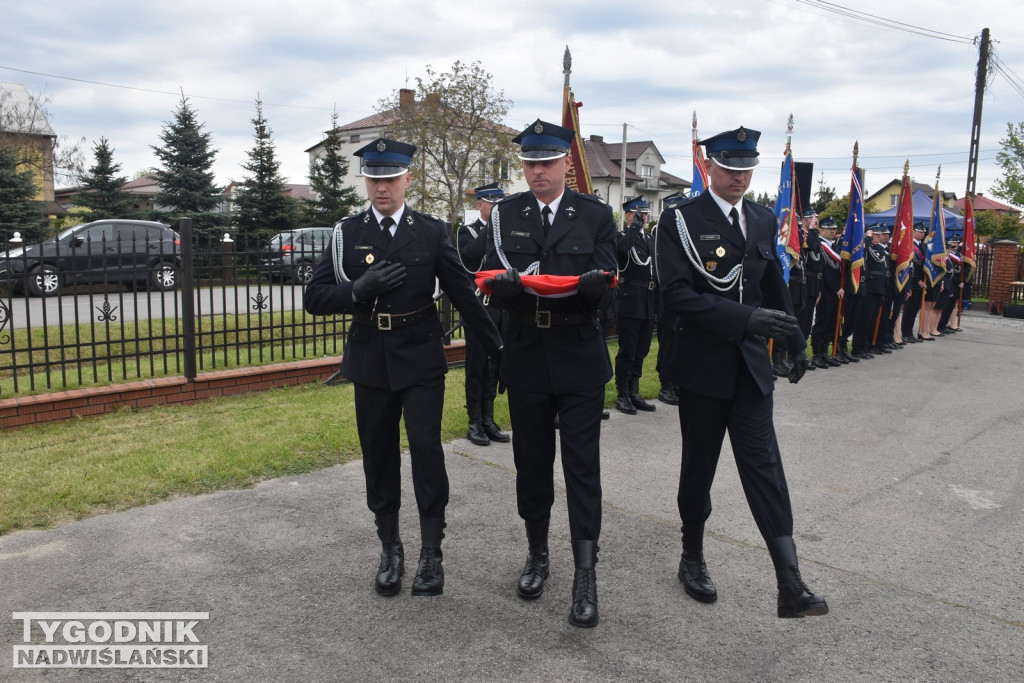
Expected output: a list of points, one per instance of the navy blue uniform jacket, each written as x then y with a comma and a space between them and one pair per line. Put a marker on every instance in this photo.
559, 359
712, 343
406, 356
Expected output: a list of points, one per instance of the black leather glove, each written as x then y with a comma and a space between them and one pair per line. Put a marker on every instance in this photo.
379, 278
594, 283
768, 323
637, 223
507, 284
799, 367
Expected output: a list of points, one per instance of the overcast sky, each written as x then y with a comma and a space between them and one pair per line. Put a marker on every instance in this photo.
114, 69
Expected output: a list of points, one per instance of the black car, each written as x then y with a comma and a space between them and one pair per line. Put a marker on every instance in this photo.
292, 254
104, 251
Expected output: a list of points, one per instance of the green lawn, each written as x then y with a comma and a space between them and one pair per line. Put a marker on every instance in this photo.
65, 471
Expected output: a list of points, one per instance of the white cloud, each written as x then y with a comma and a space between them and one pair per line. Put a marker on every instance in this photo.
649, 64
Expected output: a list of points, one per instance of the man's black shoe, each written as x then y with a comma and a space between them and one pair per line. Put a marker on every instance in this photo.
693, 572
476, 434
531, 581
795, 599
668, 395
860, 355
624, 405
638, 401
493, 431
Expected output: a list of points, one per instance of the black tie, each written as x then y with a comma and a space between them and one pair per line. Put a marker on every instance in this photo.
385, 226
734, 216
546, 214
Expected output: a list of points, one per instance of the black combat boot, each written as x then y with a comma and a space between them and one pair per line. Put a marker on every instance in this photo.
818, 361
429, 572
392, 556
622, 403
668, 395
584, 585
693, 572
637, 400
476, 433
795, 599
531, 582
491, 428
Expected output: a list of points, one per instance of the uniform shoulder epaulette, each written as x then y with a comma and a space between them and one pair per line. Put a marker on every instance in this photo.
760, 207
594, 198
680, 202
509, 197
354, 216
428, 216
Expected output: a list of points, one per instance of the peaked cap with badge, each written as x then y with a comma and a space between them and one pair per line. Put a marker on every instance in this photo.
735, 150
385, 158
543, 141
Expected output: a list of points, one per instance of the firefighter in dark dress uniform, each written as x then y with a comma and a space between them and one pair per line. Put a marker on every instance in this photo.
481, 370
718, 270
874, 285
381, 268
822, 241
636, 306
555, 360
916, 285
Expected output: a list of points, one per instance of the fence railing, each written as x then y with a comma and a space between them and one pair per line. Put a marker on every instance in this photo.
227, 304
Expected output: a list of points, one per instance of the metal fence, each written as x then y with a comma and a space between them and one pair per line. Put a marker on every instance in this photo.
227, 304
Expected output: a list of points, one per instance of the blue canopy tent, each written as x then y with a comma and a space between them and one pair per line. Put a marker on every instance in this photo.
922, 212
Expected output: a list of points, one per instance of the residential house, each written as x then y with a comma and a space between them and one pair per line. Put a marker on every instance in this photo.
358, 134
983, 203
889, 196
23, 124
644, 174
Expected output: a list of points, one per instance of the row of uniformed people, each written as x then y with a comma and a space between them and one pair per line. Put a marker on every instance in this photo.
551, 354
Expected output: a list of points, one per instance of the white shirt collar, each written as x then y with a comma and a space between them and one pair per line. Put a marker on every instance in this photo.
397, 216
555, 203
726, 207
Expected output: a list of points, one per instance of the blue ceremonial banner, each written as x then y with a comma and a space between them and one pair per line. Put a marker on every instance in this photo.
935, 254
700, 170
853, 235
784, 215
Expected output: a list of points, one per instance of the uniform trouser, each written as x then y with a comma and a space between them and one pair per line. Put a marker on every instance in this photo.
481, 372
747, 416
910, 310
378, 414
867, 318
824, 330
805, 316
533, 449
947, 311
851, 314
896, 303
634, 345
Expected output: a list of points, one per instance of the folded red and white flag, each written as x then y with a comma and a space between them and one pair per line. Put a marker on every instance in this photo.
550, 286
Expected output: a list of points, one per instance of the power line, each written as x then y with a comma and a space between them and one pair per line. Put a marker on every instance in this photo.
891, 24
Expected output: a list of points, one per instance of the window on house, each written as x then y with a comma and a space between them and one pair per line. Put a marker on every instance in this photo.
647, 171
894, 199
353, 138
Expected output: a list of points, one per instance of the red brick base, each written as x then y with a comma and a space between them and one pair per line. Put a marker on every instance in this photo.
64, 405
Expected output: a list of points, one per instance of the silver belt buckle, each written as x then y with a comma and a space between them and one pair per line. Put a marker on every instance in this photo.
384, 321
651, 285
543, 319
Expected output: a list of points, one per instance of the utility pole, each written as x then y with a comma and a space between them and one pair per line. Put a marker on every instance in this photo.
979, 96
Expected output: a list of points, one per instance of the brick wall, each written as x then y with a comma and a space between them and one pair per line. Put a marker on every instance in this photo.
1004, 269
65, 405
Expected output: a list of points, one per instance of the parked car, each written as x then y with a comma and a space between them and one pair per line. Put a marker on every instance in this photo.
104, 251
292, 254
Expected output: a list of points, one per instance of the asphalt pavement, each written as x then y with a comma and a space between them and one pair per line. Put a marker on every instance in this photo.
907, 485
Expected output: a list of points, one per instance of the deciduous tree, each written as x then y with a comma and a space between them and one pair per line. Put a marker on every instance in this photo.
456, 123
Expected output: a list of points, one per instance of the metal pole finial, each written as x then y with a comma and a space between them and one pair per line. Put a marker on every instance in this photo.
567, 60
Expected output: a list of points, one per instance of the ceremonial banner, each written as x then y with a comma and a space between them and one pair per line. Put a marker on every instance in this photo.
903, 235
787, 234
853, 235
970, 247
549, 286
578, 177
935, 254
700, 170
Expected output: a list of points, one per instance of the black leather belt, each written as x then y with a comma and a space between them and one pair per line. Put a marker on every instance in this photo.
652, 285
545, 319
392, 321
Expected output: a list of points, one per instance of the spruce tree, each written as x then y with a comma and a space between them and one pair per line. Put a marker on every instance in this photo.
334, 199
101, 187
261, 206
19, 212
187, 187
